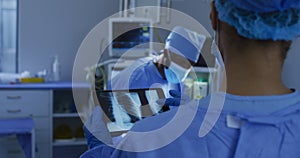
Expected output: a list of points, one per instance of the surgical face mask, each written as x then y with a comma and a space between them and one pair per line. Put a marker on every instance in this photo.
175, 73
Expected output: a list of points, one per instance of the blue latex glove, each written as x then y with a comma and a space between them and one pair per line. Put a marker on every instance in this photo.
178, 99
95, 130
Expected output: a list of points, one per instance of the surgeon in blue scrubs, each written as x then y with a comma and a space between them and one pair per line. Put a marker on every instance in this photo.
260, 116
166, 71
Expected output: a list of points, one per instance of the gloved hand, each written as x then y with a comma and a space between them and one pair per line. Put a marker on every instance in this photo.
95, 130
178, 99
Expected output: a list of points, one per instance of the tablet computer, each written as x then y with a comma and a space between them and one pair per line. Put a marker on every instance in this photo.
122, 108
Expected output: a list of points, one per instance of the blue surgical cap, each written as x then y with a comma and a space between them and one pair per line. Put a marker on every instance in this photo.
185, 42
262, 19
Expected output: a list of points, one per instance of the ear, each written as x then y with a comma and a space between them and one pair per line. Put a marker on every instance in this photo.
213, 16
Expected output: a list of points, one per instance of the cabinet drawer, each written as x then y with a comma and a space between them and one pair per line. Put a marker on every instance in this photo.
41, 136
14, 152
20, 103
10, 148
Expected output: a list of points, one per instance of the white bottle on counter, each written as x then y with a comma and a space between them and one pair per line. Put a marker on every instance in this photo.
56, 69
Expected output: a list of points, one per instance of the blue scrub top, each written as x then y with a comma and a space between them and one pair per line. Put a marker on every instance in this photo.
268, 127
141, 74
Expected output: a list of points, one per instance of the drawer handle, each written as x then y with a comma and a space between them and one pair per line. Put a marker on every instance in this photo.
14, 151
13, 97
14, 111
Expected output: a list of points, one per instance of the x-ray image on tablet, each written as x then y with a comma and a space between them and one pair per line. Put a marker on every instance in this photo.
124, 107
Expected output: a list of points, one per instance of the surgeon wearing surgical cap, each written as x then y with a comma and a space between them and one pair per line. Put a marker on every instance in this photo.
259, 116
166, 71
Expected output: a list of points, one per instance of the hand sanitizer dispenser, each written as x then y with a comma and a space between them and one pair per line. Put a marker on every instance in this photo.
56, 69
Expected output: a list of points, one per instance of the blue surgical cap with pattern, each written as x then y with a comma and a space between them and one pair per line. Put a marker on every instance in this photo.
262, 19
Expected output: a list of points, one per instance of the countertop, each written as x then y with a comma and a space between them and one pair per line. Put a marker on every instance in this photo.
46, 85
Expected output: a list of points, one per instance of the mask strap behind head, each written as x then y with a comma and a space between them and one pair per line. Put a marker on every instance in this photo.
219, 75
168, 58
215, 48
218, 87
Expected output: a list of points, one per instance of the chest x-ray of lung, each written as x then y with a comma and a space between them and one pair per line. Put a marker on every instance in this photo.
123, 108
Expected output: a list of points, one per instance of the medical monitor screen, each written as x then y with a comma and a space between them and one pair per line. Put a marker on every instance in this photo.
130, 38
123, 108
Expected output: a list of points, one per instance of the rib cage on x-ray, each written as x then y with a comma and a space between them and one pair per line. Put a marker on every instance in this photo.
129, 106
124, 108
